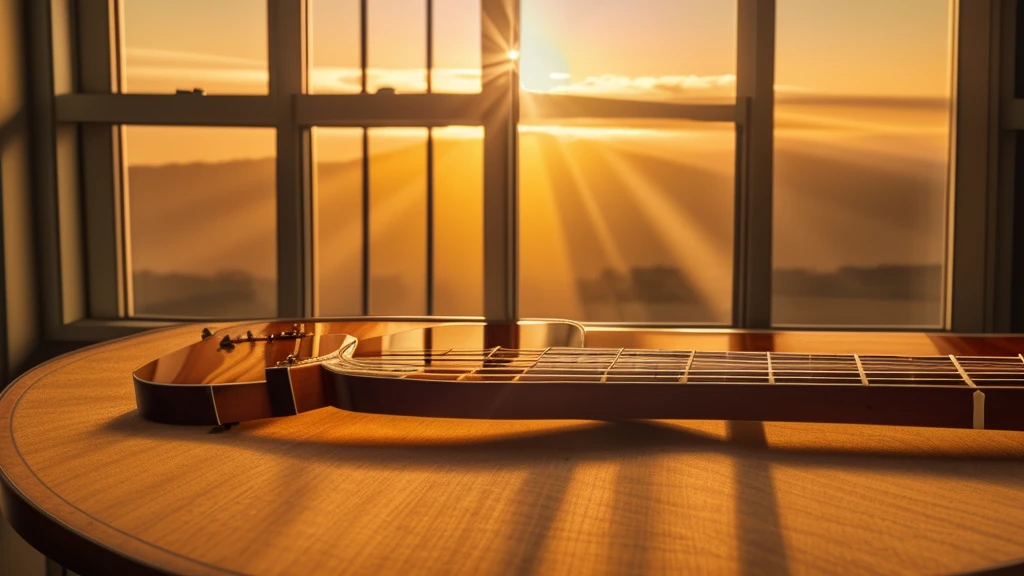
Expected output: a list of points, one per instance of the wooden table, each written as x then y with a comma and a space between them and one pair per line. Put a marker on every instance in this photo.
95, 487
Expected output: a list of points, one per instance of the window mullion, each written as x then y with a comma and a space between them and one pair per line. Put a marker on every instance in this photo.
390, 110
980, 275
364, 39
561, 106
287, 66
500, 88
165, 109
430, 164
98, 66
755, 83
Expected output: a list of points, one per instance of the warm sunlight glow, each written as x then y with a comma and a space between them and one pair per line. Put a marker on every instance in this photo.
629, 218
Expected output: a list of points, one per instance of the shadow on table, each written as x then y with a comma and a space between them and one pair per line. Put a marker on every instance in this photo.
552, 454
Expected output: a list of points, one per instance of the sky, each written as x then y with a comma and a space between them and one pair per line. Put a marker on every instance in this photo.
677, 50
862, 47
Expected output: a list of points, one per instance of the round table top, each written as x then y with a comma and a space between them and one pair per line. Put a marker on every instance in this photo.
99, 489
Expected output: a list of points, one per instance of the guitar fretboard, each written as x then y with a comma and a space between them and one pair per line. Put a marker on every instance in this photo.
624, 365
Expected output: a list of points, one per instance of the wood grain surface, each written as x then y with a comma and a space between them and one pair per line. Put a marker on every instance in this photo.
91, 484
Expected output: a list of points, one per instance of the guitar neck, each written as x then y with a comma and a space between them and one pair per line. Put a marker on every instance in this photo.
615, 384
694, 366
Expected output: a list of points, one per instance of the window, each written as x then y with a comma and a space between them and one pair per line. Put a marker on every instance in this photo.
606, 162
334, 47
220, 47
861, 162
627, 223
201, 221
458, 223
626, 212
398, 221
338, 188
396, 46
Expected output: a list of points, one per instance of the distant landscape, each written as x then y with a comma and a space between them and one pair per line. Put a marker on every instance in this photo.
618, 223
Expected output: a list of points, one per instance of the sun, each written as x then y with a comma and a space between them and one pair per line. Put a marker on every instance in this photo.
541, 65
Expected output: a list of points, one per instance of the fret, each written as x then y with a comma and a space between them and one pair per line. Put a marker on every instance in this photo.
978, 397
604, 378
689, 363
963, 373
768, 360
490, 355
860, 370
519, 376
993, 371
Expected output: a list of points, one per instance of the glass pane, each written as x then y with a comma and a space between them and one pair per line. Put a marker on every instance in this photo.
456, 46
220, 47
627, 224
339, 220
459, 221
334, 47
398, 221
202, 221
396, 52
861, 161
672, 51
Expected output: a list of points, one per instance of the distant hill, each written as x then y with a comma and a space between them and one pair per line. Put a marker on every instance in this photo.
197, 226
628, 229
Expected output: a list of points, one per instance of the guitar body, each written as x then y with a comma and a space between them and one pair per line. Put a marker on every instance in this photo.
549, 369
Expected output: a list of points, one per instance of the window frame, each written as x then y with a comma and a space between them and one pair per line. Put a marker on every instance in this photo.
79, 175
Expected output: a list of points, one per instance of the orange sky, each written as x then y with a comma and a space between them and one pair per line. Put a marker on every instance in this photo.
681, 50
876, 47
662, 49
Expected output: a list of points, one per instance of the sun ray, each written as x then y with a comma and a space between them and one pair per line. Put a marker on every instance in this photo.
698, 255
608, 246
547, 270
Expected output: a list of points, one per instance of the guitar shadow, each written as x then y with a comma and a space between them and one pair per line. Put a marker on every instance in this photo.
549, 457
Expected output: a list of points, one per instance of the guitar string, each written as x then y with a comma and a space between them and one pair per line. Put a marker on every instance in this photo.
846, 365
997, 363
720, 365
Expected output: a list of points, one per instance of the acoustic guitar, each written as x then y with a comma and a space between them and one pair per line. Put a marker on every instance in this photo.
542, 369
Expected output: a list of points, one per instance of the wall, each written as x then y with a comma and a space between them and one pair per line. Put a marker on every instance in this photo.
19, 313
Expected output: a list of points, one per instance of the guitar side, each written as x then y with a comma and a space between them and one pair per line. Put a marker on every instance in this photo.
410, 372
266, 370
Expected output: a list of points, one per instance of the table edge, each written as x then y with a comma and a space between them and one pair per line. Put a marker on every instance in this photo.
50, 535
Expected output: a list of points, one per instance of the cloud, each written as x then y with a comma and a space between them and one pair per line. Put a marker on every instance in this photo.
651, 86
407, 80
218, 76
163, 71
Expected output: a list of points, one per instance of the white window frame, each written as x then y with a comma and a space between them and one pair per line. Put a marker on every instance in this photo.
79, 120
